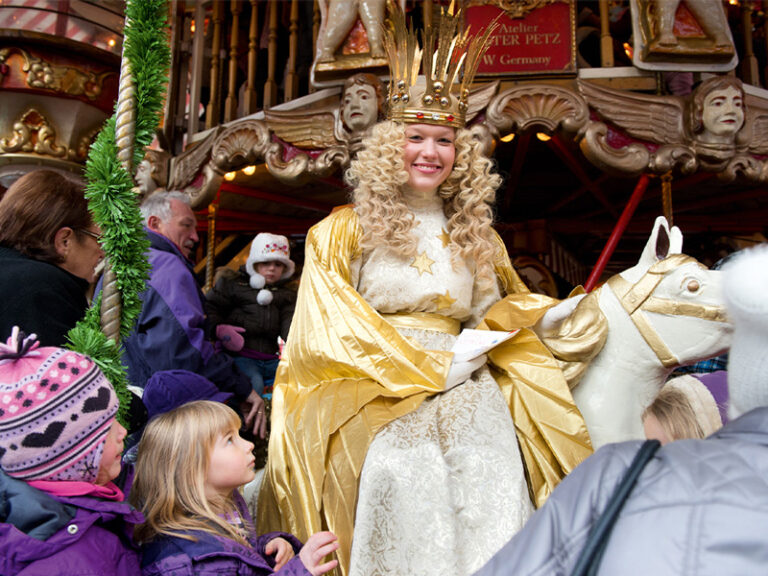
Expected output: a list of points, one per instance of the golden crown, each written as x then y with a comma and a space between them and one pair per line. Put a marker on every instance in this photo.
448, 61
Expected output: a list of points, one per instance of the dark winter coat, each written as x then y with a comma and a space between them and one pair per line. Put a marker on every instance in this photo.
39, 297
233, 301
41, 535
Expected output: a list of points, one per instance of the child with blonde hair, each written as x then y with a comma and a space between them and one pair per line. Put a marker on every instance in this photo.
684, 408
190, 463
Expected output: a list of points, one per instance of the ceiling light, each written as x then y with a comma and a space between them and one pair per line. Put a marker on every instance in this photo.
249, 170
229, 176
543, 136
509, 137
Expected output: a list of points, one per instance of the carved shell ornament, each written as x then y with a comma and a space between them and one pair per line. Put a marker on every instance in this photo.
712, 129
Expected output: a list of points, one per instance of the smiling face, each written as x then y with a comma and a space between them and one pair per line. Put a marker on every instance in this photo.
361, 108
723, 112
428, 154
231, 464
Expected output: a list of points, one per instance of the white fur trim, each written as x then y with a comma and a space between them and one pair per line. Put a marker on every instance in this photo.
264, 297
701, 400
257, 281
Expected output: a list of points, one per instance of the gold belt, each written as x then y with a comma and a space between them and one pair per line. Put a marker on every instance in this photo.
424, 321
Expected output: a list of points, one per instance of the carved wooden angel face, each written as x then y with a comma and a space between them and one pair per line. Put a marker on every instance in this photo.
723, 113
361, 108
144, 178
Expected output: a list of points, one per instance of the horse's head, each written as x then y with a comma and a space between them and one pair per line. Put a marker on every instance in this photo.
674, 301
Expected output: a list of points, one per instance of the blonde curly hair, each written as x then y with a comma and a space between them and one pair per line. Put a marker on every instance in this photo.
378, 176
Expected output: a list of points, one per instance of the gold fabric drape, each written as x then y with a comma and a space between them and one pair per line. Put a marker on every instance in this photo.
347, 372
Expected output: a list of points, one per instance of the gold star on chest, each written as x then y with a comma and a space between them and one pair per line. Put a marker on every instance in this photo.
444, 238
423, 263
443, 301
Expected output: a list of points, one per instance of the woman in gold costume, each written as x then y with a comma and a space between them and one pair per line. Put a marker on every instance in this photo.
419, 464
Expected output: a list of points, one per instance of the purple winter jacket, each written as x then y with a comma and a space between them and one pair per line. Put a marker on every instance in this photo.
211, 554
42, 535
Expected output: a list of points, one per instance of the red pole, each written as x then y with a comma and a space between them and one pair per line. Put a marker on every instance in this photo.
618, 231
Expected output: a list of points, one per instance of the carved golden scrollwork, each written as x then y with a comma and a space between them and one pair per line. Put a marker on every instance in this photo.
550, 107
33, 133
80, 153
303, 166
516, 8
244, 143
62, 79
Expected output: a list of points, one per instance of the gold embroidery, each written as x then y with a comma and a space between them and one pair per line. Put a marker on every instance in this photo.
443, 301
423, 263
444, 238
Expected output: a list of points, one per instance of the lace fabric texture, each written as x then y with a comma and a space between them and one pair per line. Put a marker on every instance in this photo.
442, 488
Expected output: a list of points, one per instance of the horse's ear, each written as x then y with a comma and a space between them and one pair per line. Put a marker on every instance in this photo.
675, 240
656, 248
662, 243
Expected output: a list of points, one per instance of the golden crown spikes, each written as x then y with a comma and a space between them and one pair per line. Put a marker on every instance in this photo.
448, 61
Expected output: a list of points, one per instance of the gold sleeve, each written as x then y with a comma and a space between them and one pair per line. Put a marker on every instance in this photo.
550, 429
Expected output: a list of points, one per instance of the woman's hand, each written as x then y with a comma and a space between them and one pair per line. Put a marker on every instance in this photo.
281, 549
318, 546
461, 371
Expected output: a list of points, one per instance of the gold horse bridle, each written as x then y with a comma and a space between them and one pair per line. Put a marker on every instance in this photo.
636, 299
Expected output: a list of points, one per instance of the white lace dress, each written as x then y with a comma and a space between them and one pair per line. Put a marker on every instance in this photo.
442, 488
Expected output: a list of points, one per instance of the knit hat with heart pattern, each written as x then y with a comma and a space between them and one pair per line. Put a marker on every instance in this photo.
56, 408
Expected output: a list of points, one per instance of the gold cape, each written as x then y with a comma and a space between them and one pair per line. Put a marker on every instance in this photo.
346, 372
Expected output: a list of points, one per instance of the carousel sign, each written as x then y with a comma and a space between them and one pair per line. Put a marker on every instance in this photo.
533, 37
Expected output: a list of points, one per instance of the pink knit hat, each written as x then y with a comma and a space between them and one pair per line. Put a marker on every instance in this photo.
56, 408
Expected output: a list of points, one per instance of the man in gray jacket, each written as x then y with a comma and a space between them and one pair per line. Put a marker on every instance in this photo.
700, 507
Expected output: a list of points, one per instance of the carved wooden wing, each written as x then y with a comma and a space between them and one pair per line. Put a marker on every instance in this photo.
479, 98
186, 166
309, 130
757, 120
647, 117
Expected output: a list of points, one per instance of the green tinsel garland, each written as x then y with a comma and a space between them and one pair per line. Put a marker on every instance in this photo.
110, 194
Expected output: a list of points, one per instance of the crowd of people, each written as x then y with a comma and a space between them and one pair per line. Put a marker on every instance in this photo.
388, 452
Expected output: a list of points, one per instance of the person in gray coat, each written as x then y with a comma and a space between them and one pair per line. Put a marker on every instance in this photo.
700, 507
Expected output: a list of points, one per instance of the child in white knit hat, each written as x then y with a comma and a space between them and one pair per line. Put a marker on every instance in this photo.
251, 308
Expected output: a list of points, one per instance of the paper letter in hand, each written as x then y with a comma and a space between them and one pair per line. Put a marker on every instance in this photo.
472, 343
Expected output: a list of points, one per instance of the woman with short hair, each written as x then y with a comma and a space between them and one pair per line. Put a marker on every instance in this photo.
49, 250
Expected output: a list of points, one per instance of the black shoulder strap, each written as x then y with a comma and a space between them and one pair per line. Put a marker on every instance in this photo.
589, 561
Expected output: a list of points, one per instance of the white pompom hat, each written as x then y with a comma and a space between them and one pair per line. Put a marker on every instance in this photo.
268, 248
745, 278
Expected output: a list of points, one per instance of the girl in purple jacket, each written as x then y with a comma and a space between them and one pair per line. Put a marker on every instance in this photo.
60, 447
190, 463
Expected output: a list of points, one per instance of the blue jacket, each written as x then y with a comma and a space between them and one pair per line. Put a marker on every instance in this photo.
217, 555
42, 535
700, 507
171, 332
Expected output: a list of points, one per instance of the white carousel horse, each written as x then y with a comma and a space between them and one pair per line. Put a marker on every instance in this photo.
662, 313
